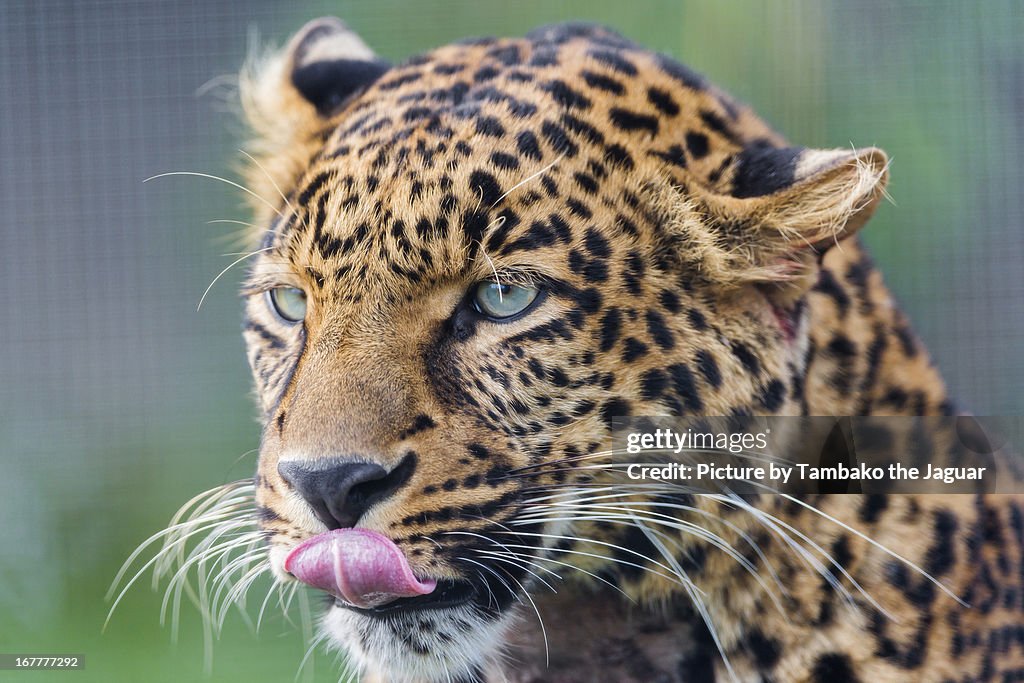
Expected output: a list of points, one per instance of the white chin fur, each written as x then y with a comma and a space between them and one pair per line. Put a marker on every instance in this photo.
429, 646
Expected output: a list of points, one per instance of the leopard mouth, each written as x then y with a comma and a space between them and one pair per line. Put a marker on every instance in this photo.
448, 594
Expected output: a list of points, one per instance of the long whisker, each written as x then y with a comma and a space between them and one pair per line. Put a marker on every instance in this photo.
540, 620
782, 529
521, 564
201, 503
583, 553
179, 581
238, 593
528, 179
273, 589
129, 584
941, 586
536, 558
229, 546
625, 515
592, 575
305, 616
695, 597
309, 653
271, 179
219, 179
774, 525
231, 221
509, 588
229, 267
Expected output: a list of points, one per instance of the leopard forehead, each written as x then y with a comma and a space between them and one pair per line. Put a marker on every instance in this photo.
509, 144
508, 107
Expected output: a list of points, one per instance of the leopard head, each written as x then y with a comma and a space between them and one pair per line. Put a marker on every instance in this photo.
466, 266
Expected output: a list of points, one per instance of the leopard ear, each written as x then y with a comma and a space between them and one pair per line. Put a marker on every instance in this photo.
322, 66
787, 207
289, 95
328, 63
821, 195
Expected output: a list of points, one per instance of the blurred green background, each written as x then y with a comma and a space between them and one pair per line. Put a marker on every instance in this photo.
118, 401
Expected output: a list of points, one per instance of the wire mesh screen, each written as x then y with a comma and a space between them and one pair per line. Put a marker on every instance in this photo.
118, 399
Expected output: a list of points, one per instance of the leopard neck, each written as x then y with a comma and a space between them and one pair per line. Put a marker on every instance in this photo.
863, 357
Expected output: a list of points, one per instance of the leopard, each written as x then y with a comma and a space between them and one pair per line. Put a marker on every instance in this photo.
466, 266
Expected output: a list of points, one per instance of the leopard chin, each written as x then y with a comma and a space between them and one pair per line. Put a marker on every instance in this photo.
446, 644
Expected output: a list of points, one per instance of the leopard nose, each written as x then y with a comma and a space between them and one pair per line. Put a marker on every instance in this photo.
340, 491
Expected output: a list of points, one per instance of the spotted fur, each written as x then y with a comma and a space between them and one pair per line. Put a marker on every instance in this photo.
692, 263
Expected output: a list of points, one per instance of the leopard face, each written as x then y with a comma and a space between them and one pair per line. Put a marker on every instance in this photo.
470, 263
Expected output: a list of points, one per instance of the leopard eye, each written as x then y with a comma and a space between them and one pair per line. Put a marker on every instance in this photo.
503, 301
289, 303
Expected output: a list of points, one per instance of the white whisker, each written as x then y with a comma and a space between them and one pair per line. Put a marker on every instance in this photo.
941, 586
628, 516
695, 597
229, 267
217, 178
498, 557
528, 179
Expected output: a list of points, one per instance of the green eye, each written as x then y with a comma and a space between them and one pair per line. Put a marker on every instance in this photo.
503, 301
289, 303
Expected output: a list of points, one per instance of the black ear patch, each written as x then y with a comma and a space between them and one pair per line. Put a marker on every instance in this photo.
762, 169
327, 84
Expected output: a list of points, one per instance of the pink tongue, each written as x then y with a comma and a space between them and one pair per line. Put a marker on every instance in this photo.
362, 567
